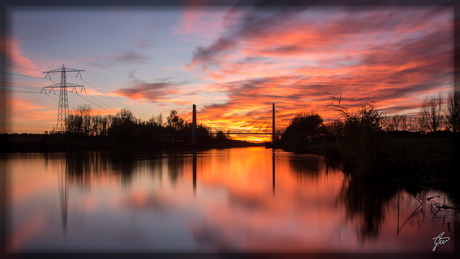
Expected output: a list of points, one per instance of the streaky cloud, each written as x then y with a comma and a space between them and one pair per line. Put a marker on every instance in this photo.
115, 59
156, 92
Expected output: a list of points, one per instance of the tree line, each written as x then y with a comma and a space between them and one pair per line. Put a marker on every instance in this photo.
436, 113
125, 128
365, 149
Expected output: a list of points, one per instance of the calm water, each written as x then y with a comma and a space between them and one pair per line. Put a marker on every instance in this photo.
245, 199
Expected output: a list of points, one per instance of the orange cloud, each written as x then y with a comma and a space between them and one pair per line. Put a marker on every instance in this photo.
391, 56
27, 116
157, 91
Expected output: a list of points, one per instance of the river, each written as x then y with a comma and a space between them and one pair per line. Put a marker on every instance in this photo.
238, 200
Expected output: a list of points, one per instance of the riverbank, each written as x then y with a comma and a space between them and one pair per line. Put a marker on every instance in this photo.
422, 159
411, 163
67, 142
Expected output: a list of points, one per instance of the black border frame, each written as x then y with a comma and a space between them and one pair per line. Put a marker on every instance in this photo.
97, 3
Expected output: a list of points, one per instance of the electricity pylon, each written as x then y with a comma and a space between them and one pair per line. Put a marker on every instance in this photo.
63, 105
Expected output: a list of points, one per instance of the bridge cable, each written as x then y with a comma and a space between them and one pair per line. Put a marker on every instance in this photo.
262, 121
254, 123
214, 123
282, 121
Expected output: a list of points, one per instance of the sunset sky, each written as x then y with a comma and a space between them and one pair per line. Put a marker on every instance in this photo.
232, 62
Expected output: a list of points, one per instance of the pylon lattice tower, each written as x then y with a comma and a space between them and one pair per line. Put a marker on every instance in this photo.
63, 105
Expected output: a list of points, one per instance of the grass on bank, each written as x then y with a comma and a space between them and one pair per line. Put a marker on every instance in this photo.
421, 159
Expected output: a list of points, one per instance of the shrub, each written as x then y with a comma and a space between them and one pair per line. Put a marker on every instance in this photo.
364, 148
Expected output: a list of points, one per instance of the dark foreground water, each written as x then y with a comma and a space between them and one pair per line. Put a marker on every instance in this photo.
244, 200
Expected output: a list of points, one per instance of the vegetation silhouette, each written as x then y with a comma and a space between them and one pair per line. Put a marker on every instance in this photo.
306, 166
430, 113
364, 147
453, 111
368, 204
89, 131
303, 125
373, 146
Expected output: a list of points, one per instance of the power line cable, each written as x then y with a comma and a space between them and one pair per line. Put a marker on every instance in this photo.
108, 95
16, 91
90, 101
8, 72
13, 65
41, 61
58, 100
101, 102
23, 86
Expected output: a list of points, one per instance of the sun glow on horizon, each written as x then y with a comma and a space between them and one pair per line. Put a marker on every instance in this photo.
233, 63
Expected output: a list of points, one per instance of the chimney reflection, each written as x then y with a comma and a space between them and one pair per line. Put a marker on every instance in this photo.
194, 171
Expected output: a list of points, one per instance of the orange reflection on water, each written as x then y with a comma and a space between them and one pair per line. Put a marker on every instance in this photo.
242, 199
282, 217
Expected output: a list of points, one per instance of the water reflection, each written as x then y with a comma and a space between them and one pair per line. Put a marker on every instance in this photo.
217, 200
307, 166
123, 164
273, 170
64, 195
79, 166
194, 171
176, 162
369, 202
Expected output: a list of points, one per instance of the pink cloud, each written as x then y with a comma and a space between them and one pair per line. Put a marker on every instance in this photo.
162, 91
20, 62
389, 56
204, 23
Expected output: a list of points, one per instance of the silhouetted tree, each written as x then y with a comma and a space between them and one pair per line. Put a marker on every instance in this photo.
79, 120
397, 122
363, 145
430, 113
158, 121
453, 111
177, 126
123, 127
335, 128
220, 136
100, 125
74, 123
304, 123
174, 121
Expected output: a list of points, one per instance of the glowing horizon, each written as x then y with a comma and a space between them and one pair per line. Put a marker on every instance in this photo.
233, 63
